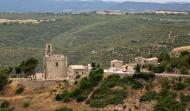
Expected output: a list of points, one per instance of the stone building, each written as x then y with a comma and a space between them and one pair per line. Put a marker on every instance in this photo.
116, 64
77, 70
146, 61
54, 65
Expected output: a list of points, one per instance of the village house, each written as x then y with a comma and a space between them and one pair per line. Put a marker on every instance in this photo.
146, 61
118, 67
77, 70
116, 64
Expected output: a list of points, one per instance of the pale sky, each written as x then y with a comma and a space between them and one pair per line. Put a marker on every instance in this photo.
158, 1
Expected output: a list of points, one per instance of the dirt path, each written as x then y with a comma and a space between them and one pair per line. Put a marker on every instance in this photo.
23, 96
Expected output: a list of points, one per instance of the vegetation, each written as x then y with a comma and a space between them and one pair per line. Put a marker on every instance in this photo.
113, 90
20, 89
64, 109
169, 64
26, 104
81, 92
92, 37
5, 104
144, 75
169, 99
27, 67
3, 81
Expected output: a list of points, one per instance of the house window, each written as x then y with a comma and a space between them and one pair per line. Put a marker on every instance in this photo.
57, 64
48, 49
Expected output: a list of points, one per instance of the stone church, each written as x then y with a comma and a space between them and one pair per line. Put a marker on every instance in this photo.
54, 65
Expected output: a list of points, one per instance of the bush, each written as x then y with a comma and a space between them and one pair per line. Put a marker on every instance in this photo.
58, 97
184, 70
169, 68
179, 86
165, 84
76, 92
3, 81
136, 85
96, 75
184, 99
26, 104
81, 98
111, 81
19, 90
138, 68
144, 75
5, 104
77, 77
65, 96
148, 96
64, 109
86, 83
158, 69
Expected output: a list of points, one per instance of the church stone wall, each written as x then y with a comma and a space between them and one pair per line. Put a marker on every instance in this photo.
55, 65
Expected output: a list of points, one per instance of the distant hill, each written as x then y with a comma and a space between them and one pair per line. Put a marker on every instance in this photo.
92, 38
75, 5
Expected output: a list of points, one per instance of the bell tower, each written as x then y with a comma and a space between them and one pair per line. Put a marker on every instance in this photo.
49, 49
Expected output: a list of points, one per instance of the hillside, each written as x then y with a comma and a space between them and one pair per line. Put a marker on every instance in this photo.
92, 38
114, 92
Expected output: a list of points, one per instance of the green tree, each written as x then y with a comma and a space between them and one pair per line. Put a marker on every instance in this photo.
28, 66
138, 68
3, 81
184, 53
64, 109
184, 70
168, 68
164, 56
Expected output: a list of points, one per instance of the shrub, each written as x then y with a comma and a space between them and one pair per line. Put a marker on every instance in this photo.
96, 75
169, 68
64, 109
184, 70
187, 81
144, 75
81, 98
58, 97
179, 86
26, 104
184, 99
77, 76
86, 83
5, 104
158, 69
76, 92
138, 68
3, 81
165, 84
111, 81
148, 96
136, 85
65, 96
19, 90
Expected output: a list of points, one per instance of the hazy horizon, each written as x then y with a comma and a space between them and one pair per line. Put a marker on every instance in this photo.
156, 1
